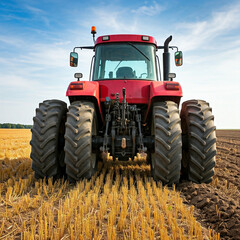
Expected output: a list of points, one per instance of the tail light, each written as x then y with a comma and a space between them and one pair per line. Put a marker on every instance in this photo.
172, 86
76, 86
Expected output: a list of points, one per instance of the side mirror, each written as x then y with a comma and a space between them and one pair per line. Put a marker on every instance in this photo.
178, 58
73, 59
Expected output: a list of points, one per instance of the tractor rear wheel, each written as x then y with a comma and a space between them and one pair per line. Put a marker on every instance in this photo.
199, 149
81, 125
47, 142
166, 159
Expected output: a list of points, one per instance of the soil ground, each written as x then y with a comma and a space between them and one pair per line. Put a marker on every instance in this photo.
217, 205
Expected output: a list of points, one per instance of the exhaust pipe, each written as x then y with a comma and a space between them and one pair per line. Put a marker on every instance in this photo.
166, 59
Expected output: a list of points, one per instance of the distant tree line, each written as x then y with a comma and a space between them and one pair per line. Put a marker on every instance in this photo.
13, 125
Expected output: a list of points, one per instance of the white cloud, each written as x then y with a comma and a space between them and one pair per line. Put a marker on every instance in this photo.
34, 10
14, 81
47, 55
38, 14
116, 22
149, 10
12, 40
209, 32
54, 54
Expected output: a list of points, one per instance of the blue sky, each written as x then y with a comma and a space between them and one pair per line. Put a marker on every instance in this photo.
37, 36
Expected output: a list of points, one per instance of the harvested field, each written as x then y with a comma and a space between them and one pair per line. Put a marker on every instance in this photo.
120, 202
14, 143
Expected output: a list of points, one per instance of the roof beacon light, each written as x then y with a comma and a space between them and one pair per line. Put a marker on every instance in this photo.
93, 30
105, 38
145, 38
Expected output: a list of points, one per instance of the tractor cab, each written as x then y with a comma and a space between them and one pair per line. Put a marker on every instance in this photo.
125, 60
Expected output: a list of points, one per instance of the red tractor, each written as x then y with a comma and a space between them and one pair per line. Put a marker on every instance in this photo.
125, 108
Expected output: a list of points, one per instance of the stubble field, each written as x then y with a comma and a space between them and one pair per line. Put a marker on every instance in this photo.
120, 202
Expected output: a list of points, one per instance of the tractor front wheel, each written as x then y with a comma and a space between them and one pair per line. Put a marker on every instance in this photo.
166, 159
81, 125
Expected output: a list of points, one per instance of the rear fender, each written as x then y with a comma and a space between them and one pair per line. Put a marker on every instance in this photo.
85, 90
159, 92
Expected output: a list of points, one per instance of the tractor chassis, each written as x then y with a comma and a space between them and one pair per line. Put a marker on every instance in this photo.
123, 122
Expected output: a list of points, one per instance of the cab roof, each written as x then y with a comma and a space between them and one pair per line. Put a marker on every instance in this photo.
125, 38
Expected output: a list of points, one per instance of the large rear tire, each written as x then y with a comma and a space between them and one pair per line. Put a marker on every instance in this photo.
166, 159
199, 150
81, 125
48, 139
